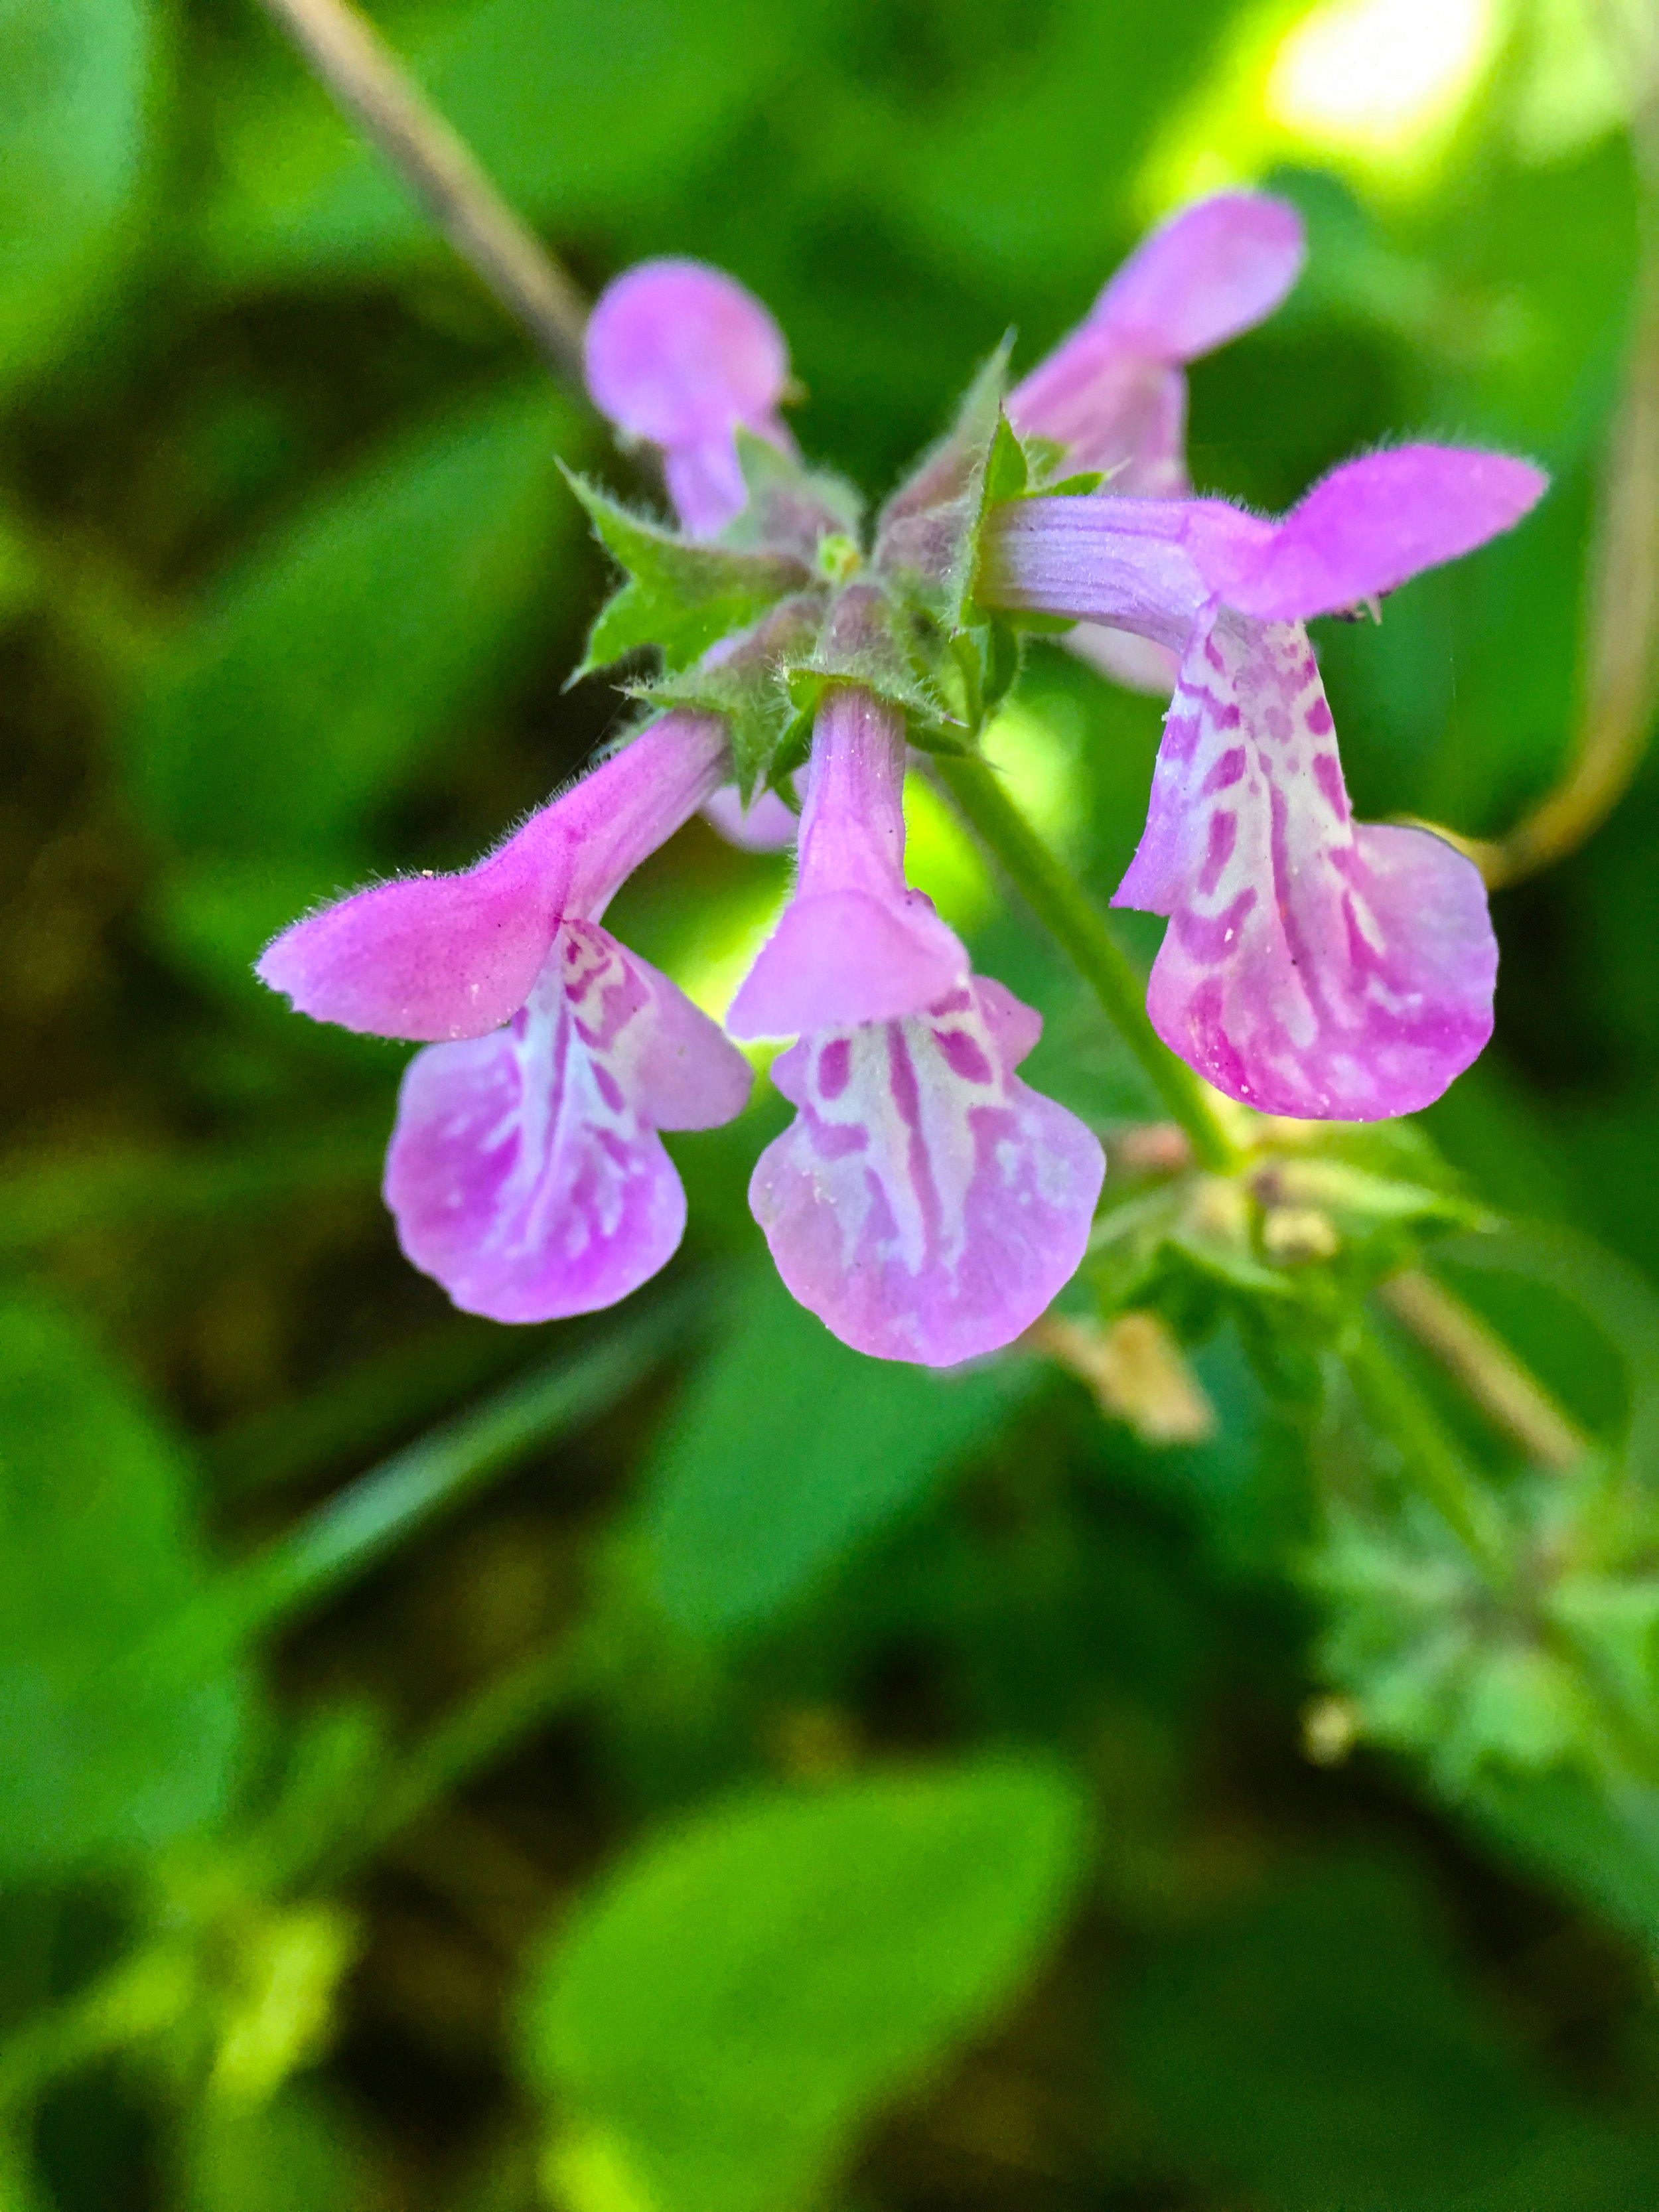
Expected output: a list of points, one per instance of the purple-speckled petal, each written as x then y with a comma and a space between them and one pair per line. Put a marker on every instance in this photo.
1312, 966
1215, 269
855, 944
924, 1203
680, 354
768, 825
525, 1173
1368, 526
434, 957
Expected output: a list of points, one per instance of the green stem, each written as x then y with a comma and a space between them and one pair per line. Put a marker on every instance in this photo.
1394, 1405
1075, 922
485, 1729
406, 1493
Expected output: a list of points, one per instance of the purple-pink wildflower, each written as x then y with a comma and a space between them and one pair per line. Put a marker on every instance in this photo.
680, 356
524, 1171
924, 1204
1313, 966
1114, 393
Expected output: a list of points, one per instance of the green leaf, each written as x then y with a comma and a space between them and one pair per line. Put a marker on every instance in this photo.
108, 1749
680, 597
295, 2152
1598, 1839
331, 661
744, 1992
1317, 2049
790, 1451
75, 91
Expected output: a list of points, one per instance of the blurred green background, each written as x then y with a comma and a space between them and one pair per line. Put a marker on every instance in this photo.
716, 1771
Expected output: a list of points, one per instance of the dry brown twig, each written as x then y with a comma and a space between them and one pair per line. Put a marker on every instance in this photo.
369, 81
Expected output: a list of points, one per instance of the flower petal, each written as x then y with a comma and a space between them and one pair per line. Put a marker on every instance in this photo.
1371, 524
924, 1204
1110, 409
767, 825
1312, 967
523, 1172
433, 957
680, 354
1215, 269
846, 957
1134, 662
1127, 562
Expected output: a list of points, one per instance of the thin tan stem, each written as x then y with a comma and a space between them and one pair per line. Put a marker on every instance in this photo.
366, 79
1483, 1363
1621, 644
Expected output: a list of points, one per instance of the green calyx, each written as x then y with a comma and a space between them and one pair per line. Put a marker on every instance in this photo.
758, 623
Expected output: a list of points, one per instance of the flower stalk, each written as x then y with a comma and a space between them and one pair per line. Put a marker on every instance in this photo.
365, 78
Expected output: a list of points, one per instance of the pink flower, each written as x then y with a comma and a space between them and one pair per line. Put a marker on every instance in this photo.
924, 1203
524, 1171
1313, 966
1114, 393
681, 355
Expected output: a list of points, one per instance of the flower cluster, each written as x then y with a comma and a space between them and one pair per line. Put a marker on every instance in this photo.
924, 1202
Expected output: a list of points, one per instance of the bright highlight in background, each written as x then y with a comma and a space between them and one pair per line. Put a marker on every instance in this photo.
1375, 77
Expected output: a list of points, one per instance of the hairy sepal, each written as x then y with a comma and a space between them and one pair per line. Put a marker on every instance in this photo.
683, 598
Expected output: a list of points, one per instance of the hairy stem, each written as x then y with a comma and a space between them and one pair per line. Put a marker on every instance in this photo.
367, 82
1076, 924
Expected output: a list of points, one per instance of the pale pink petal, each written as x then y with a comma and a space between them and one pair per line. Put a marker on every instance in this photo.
924, 1204
431, 956
525, 1172
1214, 270
1312, 967
1372, 523
766, 825
1109, 410
846, 957
445, 957
855, 943
1136, 663
1112, 394
680, 354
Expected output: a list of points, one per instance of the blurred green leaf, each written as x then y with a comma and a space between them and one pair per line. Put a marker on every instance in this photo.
327, 664
75, 90
1317, 2047
107, 1752
789, 1451
743, 1992
575, 112
292, 2154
